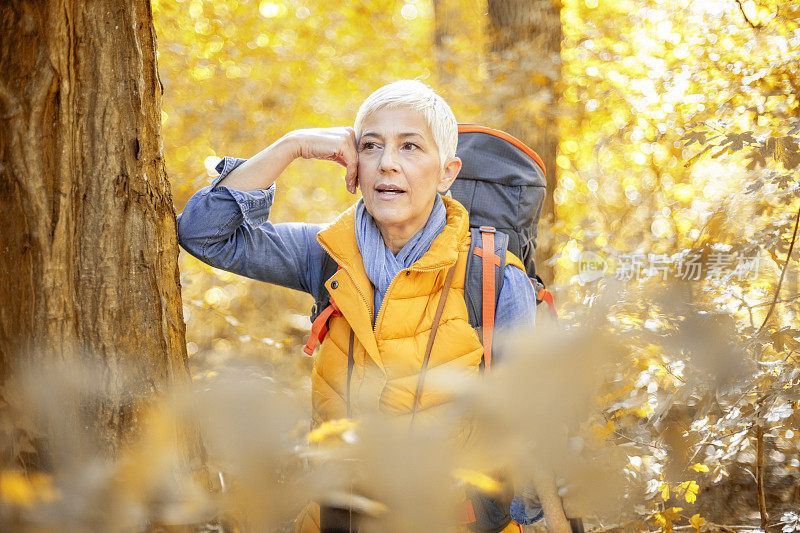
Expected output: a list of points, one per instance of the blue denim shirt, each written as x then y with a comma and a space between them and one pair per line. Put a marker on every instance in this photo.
229, 229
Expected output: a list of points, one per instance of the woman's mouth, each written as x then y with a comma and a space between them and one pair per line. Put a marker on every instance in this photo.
388, 191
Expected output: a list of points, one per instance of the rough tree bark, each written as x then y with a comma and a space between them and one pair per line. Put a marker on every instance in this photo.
525, 75
89, 245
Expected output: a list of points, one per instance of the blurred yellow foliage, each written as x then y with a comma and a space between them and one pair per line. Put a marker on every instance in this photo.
331, 430
602, 432
26, 489
478, 480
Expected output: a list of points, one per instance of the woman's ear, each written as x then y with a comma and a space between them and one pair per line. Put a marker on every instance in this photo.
449, 174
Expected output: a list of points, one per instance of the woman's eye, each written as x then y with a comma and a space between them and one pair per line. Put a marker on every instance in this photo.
367, 145
410, 146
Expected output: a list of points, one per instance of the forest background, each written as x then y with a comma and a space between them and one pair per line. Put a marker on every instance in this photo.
670, 131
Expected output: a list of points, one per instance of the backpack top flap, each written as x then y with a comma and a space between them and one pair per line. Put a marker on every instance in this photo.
502, 184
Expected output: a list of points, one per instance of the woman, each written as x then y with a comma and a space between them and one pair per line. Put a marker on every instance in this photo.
401, 250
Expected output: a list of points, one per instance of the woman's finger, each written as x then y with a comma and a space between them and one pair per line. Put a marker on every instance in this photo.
352, 177
350, 156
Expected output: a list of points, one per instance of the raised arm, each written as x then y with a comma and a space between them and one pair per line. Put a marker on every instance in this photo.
330, 144
226, 225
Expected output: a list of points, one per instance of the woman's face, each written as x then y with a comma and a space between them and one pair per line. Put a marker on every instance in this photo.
399, 171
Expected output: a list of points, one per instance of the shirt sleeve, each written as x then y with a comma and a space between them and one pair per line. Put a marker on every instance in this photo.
516, 304
229, 229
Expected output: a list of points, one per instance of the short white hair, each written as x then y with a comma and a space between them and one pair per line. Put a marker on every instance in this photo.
421, 98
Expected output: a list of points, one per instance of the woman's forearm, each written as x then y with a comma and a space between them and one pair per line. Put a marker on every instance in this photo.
331, 144
261, 170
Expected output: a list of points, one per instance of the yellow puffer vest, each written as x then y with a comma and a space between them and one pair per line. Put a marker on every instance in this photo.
387, 360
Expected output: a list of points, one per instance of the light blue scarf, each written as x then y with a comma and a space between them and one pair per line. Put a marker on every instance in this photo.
379, 262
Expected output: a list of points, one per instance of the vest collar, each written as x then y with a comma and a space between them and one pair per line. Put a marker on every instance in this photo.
339, 240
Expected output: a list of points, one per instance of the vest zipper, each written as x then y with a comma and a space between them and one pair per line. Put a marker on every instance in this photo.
380, 309
364, 298
350, 364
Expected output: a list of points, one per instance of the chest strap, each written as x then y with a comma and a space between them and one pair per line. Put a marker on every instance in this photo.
320, 327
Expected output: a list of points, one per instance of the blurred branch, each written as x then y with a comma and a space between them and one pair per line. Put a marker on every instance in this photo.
746, 18
634, 441
783, 274
749, 309
783, 301
762, 504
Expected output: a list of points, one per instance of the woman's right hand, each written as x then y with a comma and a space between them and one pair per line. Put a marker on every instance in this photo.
329, 144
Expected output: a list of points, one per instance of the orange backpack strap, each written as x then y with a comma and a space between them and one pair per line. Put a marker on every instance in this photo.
543, 295
547, 297
324, 307
490, 259
473, 277
467, 512
320, 327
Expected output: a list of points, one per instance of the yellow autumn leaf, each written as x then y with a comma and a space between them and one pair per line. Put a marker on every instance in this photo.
663, 521
602, 432
699, 467
331, 429
665, 491
652, 350
664, 518
697, 521
477, 479
611, 396
691, 491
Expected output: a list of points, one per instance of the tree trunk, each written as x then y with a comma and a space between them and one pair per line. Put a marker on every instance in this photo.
444, 58
90, 249
525, 76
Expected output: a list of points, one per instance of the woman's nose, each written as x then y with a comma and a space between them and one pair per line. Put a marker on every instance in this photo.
389, 160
